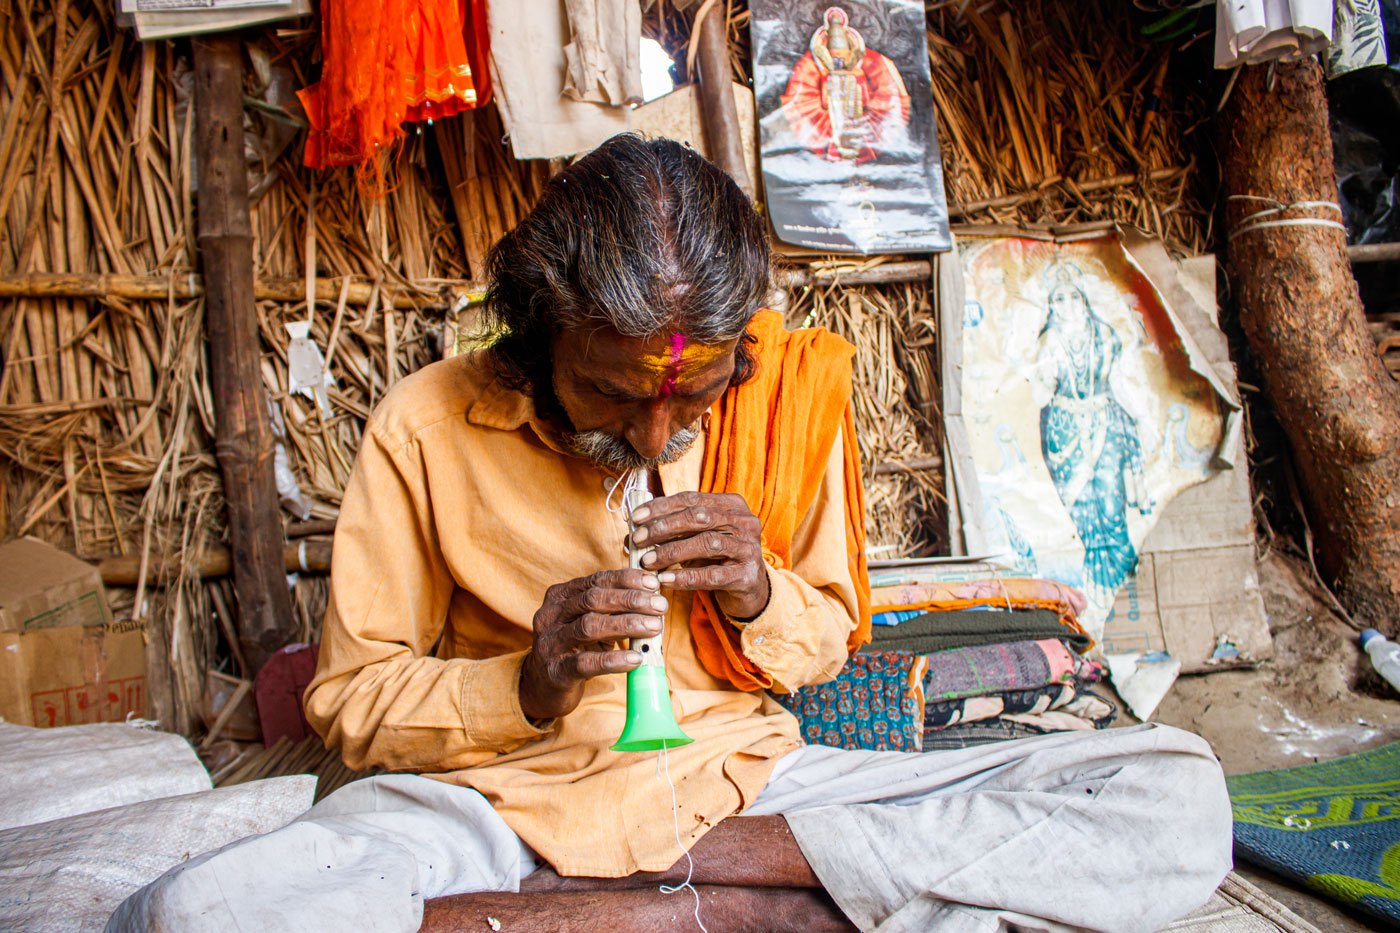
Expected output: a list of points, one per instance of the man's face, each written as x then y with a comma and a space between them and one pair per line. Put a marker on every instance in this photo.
636, 402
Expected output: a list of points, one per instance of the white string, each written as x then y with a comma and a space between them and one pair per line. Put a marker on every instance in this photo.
628, 482
663, 761
1245, 225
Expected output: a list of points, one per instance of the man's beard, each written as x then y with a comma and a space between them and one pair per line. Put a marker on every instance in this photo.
614, 453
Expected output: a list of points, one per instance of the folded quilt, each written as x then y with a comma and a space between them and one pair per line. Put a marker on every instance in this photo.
1017, 665
989, 706
1007, 590
939, 631
1052, 708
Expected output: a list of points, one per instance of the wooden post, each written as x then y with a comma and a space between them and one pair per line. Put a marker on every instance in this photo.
1302, 314
243, 437
718, 115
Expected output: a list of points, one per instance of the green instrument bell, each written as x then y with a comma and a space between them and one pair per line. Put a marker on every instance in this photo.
651, 723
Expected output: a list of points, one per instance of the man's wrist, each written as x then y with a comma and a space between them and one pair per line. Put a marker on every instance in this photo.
740, 619
525, 692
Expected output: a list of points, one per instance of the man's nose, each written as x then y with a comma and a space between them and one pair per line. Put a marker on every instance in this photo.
650, 430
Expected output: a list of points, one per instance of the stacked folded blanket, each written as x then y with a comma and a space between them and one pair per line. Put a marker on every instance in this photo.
954, 664
1035, 683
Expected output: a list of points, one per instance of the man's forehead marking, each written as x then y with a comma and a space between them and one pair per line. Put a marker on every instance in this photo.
673, 367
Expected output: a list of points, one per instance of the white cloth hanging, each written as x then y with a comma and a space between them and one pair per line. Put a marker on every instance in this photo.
1250, 32
553, 62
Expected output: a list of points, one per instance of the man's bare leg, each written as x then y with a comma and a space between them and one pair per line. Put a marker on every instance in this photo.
742, 851
763, 910
749, 871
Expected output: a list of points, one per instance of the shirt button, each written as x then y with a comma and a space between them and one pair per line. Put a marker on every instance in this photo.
758, 640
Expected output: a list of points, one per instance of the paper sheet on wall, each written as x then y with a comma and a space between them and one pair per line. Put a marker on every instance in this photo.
1082, 408
847, 133
1192, 601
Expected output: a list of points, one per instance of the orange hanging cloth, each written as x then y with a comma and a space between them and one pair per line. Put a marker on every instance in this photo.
390, 62
769, 441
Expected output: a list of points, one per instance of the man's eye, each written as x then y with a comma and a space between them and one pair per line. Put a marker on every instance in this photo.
609, 393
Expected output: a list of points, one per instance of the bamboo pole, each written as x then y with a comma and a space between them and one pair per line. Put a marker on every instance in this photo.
309, 557
244, 442
1083, 187
328, 291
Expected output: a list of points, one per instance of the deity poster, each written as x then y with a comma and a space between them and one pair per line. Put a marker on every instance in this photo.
846, 127
1080, 408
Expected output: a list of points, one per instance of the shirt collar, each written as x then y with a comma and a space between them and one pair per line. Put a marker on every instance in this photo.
506, 409
499, 407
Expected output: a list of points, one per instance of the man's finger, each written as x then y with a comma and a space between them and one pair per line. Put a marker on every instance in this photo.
665, 505
594, 627
708, 546
731, 577
625, 579
563, 602
616, 601
586, 664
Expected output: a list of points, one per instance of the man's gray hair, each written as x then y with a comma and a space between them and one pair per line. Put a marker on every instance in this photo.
643, 236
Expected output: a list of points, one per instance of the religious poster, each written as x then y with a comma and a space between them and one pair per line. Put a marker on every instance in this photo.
846, 126
1081, 408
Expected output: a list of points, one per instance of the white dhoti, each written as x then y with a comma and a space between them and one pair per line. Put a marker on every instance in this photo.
1122, 830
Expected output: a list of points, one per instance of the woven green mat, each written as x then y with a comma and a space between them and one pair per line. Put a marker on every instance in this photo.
1334, 826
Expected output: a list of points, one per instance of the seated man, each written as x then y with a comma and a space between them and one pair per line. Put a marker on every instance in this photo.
476, 633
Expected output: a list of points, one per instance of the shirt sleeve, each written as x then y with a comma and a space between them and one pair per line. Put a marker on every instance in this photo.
379, 694
800, 637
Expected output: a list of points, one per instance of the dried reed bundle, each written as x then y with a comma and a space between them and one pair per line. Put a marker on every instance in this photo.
490, 191
284, 757
892, 328
102, 434
1043, 121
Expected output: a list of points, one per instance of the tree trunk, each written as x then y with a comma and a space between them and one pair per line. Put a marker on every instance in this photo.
1302, 314
243, 437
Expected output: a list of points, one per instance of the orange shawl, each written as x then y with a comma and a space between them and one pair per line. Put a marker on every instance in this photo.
769, 441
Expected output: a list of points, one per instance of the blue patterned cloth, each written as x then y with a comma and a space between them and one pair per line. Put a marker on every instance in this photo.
876, 703
896, 617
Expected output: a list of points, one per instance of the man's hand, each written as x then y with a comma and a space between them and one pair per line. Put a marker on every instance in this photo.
574, 631
713, 541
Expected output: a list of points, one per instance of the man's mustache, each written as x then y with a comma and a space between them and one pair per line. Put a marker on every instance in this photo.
614, 453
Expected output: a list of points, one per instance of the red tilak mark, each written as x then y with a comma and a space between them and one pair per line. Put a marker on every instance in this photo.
673, 367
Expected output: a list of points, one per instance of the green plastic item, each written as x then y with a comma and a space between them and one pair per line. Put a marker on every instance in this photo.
651, 723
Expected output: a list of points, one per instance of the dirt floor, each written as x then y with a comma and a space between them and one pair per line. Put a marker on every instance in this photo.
1318, 698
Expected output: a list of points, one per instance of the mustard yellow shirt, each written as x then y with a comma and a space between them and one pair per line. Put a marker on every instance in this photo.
461, 511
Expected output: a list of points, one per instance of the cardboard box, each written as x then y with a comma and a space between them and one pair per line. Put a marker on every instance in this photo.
63, 661
1195, 593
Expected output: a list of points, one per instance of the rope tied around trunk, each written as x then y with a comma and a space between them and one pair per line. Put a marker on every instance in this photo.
1251, 222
